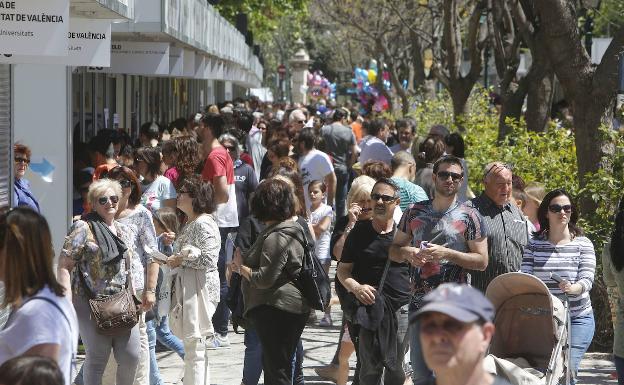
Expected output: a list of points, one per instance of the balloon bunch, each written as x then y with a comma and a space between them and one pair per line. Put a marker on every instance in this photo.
364, 83
319, 87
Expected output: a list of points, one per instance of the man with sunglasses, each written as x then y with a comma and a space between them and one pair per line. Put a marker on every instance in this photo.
442, 238
456, 328
362, 265
507, 230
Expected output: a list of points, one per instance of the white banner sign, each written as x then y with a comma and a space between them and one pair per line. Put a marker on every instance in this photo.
137, 58
88, 44
34, 27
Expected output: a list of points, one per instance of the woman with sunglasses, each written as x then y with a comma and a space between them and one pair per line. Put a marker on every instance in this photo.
95, 252
131, 213
560, 247
158, 191
22, 195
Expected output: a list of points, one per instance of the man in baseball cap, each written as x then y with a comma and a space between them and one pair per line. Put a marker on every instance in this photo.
455, 331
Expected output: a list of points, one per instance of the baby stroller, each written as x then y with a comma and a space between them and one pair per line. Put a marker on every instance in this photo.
531, 341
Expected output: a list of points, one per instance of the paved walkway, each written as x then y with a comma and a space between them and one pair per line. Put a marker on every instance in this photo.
226, 364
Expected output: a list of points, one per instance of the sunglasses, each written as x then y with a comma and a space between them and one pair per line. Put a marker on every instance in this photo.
229, 148
497, 166
385, 198
556, 209
22, 160
125, 183
113, 199
445, 174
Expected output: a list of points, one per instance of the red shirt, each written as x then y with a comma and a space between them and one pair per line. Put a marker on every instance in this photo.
218, 163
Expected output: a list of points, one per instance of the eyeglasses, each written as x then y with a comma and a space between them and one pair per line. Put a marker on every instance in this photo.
450, 326
556, 209
113, 199
385, 198
445, 174
497, 166
125, 183
22, 160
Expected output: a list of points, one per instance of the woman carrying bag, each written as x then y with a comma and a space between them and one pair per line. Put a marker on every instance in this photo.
97, 262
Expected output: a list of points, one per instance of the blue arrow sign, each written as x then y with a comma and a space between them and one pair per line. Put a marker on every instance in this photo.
44, 168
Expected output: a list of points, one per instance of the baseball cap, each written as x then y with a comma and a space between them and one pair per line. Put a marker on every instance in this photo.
462, 302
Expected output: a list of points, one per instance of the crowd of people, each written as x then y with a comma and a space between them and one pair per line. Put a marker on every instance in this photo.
235, 194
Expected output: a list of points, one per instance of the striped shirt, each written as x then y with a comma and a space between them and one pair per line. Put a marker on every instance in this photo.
574, 261
506, 230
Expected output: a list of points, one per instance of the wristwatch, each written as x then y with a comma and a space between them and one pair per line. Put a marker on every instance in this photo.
153, 290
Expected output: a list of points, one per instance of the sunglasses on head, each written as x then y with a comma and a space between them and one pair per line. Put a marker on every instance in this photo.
445, 174
22, 160
498, 166
385, 198
125, 183
556, 209
113, 199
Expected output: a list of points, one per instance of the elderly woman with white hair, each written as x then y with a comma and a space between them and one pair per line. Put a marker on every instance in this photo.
92, 264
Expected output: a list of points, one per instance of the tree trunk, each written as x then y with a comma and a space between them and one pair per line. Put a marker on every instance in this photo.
539, 102
460, 92
511, 107
591, 91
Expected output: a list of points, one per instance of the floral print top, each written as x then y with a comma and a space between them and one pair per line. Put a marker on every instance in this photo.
102, 279
202, 238
145, 242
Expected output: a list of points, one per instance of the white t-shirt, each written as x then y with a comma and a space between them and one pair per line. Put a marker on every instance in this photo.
375, 149
316, 165
321, 246
39, 322
156, 192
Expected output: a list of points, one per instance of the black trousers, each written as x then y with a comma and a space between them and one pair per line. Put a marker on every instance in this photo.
279, 333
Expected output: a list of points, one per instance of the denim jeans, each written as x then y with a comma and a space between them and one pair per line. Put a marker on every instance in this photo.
372, 368
165, 337
342, 184
297, 365
582, 333
420, 371
252, 364
154, 373
619, 366
221, 316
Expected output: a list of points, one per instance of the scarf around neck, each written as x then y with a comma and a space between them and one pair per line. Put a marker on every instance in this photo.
113, 248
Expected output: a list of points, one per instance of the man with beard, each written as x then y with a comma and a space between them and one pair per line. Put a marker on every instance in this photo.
441, 237
364, 264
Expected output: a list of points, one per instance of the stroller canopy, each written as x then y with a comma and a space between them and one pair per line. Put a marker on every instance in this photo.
528, 318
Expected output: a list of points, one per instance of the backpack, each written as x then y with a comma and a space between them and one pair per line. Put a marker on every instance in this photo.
312, 281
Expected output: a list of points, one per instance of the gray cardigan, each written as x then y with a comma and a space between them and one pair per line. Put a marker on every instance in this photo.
274, 258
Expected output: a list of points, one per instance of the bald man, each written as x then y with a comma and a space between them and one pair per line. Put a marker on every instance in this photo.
506, 228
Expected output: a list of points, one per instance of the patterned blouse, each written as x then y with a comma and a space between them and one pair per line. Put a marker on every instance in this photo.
202, 234
102, 279
145, 242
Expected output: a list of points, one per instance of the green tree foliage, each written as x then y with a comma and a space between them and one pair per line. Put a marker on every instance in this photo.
608, 17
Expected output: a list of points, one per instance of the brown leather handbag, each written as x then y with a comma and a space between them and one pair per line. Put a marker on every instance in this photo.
115, 314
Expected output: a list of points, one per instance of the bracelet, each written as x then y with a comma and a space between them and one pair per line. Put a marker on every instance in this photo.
153, 291
348, 229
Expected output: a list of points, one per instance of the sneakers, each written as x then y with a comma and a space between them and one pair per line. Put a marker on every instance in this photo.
217, 341
326, 321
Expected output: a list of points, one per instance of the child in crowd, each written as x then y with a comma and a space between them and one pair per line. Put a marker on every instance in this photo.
321, 218
167, 225
521, 200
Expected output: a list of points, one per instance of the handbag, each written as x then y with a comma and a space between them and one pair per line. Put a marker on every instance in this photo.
114, 314
312, 281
